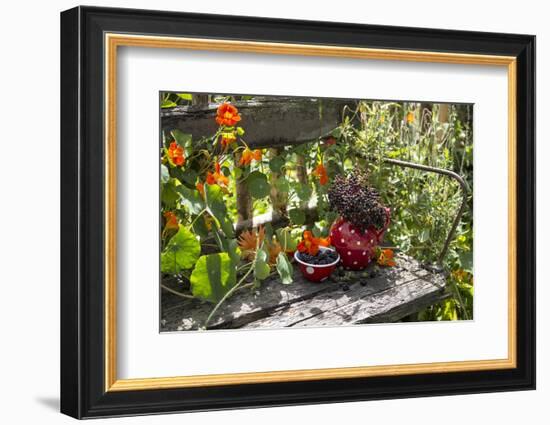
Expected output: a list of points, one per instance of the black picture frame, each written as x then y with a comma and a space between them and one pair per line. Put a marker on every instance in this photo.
83, 392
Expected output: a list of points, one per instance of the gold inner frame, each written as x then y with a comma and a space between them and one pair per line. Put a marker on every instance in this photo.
113, 41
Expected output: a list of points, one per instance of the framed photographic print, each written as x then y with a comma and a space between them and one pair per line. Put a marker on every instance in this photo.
261, 212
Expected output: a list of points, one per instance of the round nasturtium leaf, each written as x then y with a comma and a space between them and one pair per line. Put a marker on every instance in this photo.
282, 185
297, 216
276, 164
258, 185
181, 252
213, 276
261, 268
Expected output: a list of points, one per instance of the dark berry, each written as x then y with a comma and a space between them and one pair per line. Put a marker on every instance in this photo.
356, 201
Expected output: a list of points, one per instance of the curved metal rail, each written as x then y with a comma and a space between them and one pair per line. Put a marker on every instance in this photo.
460, 212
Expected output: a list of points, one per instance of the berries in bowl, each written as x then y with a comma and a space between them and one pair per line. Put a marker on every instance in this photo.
315, 259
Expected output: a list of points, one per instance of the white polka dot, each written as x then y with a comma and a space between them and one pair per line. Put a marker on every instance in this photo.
349, 252
352, 231
342, 240
340, 228
358, 243
309, 270
364, 252
355, 263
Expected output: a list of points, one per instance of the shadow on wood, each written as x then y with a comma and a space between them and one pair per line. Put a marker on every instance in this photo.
386, 295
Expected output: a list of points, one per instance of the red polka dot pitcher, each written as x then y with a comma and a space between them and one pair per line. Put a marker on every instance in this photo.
356, 247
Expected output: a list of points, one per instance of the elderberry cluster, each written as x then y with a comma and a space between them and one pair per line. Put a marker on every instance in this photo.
356, 201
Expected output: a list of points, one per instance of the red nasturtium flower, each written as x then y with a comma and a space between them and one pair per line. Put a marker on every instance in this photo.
385, 258
227, 115
217, 177
321, 172
175, 153
171, 220
247, 156
310, 244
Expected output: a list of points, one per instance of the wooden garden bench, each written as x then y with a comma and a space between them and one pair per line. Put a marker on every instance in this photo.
388, 295
375, 295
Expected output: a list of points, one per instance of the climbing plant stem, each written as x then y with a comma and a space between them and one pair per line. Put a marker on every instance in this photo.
227, 295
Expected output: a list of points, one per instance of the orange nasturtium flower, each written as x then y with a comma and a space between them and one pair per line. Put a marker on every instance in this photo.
175, 153
171, 221
321, 172
310, 244
227, 115
247, 156
410, 117
385, 258
217, 177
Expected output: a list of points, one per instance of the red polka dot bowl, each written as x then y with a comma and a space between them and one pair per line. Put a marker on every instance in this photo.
356, 247
316, 272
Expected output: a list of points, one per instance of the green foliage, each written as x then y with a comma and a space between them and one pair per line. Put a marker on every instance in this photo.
216, 206
284, 268
181, 252
258, 185
288, 238
213, 276
261, 268
423, 205
191, 199
297, 216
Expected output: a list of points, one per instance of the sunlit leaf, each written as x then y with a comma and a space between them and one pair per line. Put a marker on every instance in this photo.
261, 267
182, 138
167, 104
213, 276
216, 205
185, 96
191, 199
181, 252
288, 238
284, 268
164, 174
169, 194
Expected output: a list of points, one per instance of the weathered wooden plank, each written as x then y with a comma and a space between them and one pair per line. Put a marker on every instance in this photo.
304, 119
390, 304
277, 305
294, 314
244, 306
